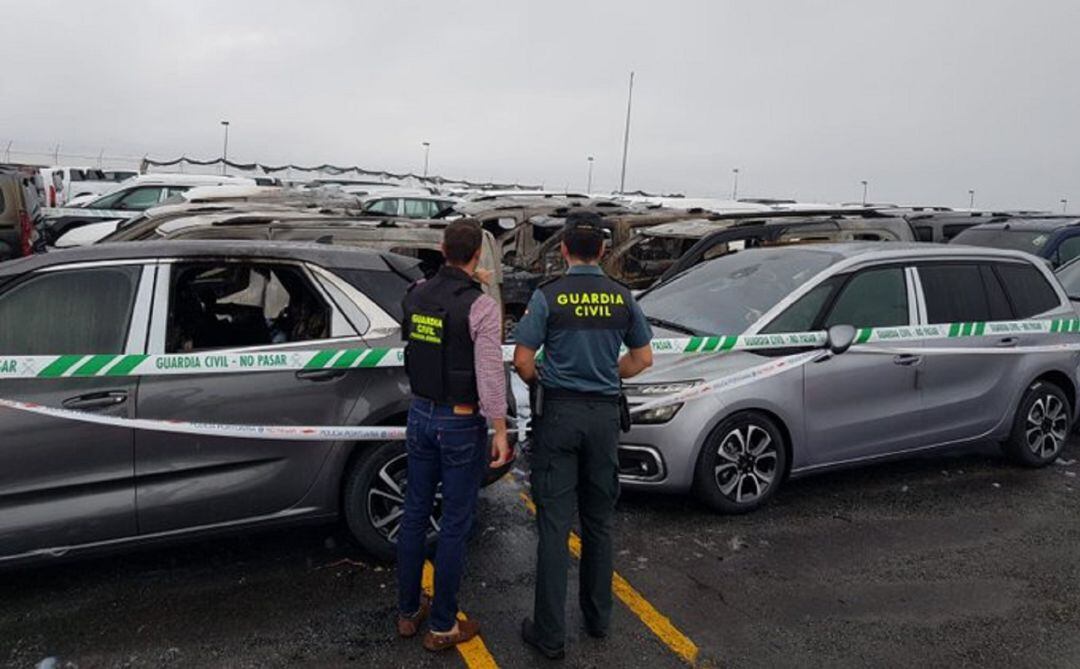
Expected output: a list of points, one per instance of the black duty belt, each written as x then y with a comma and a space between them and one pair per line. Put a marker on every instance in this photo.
561, 394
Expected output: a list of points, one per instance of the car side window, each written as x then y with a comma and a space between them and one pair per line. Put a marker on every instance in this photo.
872, 298
141, 198
419, 208
801, 316
1067, 250
954, 293
223, 305
1028, 290
107, 201
94, 305
386, 206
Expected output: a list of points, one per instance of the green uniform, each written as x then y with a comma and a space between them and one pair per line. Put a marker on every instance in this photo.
581, 319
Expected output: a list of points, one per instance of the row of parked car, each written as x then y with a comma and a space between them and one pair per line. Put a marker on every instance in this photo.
244, 267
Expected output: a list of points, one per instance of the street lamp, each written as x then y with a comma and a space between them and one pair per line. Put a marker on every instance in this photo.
865, 186
427, 151
225, 149
588, 187
1064, 205
735, 184
971, 198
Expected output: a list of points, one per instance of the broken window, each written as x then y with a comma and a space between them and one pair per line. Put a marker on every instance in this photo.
234, 305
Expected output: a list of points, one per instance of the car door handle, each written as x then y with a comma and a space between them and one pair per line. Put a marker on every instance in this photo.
1007, 342
102, 400
907, 360
320, 374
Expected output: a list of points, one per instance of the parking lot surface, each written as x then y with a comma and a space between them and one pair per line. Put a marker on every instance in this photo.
958, 560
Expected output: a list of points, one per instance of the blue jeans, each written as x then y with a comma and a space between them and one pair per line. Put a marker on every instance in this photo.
442, 447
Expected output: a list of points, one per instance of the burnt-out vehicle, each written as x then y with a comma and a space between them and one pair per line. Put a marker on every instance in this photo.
421, 240
529, 231
661, 252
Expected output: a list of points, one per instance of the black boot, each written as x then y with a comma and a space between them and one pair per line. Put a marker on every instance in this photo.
528, 635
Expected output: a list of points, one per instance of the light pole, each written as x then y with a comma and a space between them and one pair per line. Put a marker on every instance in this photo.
865, 186
626, 135
1064, 205
427, 152
225, 148
588, 186
735, 184
971, 198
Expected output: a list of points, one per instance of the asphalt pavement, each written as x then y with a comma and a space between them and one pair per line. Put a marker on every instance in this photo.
958, 560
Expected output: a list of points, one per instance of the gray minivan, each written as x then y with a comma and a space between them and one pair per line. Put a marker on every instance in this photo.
735, 449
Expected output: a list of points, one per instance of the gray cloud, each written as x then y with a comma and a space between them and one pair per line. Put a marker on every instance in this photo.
924, 98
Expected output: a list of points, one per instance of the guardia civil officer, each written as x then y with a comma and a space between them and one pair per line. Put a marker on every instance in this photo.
453, 357
581, 319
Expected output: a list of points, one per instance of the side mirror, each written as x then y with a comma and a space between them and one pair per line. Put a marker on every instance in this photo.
839, 338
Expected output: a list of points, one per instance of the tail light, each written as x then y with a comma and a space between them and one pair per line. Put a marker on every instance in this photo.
27, 233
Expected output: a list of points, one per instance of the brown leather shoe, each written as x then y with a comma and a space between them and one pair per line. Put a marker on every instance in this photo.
466, 630
407, 626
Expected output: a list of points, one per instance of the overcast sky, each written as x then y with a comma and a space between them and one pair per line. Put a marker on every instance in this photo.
923, 98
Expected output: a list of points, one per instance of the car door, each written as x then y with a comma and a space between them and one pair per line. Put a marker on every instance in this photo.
963, 394
859, 405
272, 308
62, 482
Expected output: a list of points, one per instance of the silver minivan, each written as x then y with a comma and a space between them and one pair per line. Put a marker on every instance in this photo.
734, 449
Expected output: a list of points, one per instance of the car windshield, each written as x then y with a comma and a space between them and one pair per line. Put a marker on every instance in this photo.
729, 294
1031, 241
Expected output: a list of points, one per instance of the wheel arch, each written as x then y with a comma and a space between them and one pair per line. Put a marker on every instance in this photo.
1061, 380
773, 415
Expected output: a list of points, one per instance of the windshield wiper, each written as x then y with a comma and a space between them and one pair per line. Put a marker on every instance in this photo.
670, 325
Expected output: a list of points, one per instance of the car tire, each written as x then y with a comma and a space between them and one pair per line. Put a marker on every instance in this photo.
742, 463
1041, 426
374, 498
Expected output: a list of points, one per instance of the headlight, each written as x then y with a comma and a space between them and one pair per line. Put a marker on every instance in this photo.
650, 391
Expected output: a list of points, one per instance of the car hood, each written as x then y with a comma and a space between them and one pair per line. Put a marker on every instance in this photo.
708, 366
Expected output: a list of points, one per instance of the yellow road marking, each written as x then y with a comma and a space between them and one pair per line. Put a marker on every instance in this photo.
660, 624
474, 651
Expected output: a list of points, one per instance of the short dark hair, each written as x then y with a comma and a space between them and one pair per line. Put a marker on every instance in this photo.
584, 235
461, 240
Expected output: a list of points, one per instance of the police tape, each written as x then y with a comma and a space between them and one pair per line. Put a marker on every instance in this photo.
275, 432
219, 362
381, 433
732, 381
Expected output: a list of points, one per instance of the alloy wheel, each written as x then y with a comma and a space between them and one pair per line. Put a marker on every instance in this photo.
386, 500
1047, 426
747, 465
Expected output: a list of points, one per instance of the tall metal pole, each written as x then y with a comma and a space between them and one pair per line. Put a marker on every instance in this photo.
56, 155
588, 186
971, 198
626, 135
7, 151
100, 155
735, 185
865, 185
1064, 205
225, 149
427, 152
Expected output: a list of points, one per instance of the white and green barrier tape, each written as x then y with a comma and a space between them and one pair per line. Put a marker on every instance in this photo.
380, 433
120, 365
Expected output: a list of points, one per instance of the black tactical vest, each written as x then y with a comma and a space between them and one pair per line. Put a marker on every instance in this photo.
587, 302
438, 345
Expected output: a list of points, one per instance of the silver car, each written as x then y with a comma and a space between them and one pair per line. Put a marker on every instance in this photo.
68, 487
734, 449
